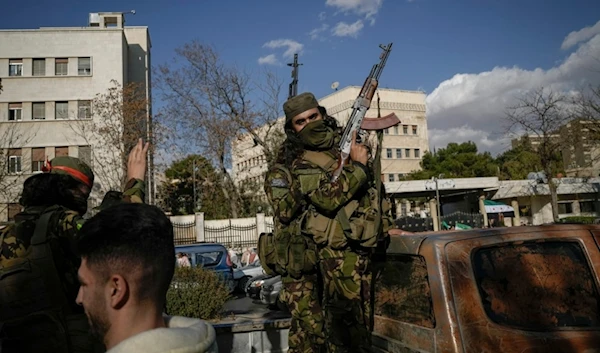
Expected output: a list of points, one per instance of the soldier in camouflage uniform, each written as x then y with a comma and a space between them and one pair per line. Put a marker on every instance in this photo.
37, 306
297, 262
340, 218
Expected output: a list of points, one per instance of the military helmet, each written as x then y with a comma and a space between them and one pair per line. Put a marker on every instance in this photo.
71, 166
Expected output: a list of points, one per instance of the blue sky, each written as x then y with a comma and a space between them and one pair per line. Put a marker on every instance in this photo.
442, 47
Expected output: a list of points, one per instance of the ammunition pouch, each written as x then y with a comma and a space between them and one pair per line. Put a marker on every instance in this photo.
287, 252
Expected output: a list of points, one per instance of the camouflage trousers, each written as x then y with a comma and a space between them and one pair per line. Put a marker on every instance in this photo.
347, 299
302, 298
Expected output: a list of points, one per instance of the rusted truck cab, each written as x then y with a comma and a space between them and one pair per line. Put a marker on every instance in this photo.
517, 289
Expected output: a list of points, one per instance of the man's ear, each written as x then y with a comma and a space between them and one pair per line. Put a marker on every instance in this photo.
118, 291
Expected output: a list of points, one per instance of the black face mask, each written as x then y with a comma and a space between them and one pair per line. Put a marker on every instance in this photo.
317, 135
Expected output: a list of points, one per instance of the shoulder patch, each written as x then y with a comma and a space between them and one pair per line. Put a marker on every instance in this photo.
279, 183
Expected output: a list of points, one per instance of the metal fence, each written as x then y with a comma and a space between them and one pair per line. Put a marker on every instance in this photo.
475, 220
415, 224
232, 236
184, 233
269, 227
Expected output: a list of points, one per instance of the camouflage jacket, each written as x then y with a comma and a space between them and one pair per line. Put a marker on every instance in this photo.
63, 227
283, 194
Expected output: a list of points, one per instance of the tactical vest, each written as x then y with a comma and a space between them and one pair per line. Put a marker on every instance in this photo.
354, 223
32, 299
285, 251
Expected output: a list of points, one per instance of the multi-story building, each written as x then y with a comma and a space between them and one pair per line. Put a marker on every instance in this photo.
577, 141
50, 77
403, 145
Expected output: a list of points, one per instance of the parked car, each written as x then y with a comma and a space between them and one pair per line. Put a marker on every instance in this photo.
255, 285
244, 274
511, 289
210, 256
269, 293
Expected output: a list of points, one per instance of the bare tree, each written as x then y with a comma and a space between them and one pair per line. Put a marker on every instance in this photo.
210, 105
540, 115
118, 118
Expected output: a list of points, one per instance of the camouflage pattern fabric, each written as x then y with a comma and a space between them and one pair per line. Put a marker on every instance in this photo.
283, 195
347, 279
307, 333
325, 196
63, 227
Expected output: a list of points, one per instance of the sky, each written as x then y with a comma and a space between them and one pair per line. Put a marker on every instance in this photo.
471, 57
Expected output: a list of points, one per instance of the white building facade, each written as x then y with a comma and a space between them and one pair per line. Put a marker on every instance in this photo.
50, 77
403, 145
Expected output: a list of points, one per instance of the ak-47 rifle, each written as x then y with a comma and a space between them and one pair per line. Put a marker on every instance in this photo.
357, 121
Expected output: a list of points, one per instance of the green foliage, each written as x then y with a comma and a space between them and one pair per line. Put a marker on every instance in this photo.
456, 161
178, 189
522, 159
196, 293
578, 220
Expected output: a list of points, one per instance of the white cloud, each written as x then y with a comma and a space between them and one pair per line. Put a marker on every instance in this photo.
580, 36
322, 16
477, 102
316, 33
368, 8
270, 59
292, 46
342, 29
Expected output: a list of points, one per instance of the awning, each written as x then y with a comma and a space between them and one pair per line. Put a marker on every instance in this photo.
496, 207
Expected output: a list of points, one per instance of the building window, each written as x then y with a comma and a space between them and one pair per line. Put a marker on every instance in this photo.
391, 177
61, 110
13, 210
405, 129
39, 67
587, 206
61, 66
84, 67
38, 111
389, 152
396, 130
398, 153
85, 154
407, 152
61, 151
414, 129
38, 156
400, 176
84, 109
15, 67
417, 153
15, 111
14, 160
565, 208
386, 131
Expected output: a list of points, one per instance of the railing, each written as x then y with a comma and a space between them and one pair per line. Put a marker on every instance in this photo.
184, 233
474, 220
232, 236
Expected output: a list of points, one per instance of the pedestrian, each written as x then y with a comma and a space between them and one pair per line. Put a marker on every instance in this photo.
126, 270
37, 305
340, 218
183, 260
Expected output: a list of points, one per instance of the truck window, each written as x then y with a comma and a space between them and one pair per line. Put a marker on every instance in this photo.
537, 286
402, 292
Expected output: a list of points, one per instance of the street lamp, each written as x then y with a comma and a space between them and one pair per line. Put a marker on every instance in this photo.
437, 198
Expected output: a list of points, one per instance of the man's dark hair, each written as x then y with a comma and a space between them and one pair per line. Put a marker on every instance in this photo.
129, 238
53, 189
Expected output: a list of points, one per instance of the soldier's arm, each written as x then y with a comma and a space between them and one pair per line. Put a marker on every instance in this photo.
134, 191
328, 197
284, 197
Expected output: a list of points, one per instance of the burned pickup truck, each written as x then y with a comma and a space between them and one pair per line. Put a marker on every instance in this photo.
517, 289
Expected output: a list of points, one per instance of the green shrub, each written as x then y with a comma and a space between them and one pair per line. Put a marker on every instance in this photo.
578, 220
197, 293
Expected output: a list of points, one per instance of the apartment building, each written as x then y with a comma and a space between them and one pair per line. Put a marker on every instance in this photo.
403, 145
578, 146
50, 77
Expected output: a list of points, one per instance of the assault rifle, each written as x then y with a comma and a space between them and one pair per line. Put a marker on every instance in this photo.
357, 121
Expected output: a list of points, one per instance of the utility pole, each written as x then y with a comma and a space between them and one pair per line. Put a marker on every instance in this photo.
437, 199
294, 85
194, 182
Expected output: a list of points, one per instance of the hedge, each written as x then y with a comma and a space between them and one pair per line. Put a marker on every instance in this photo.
196, 293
